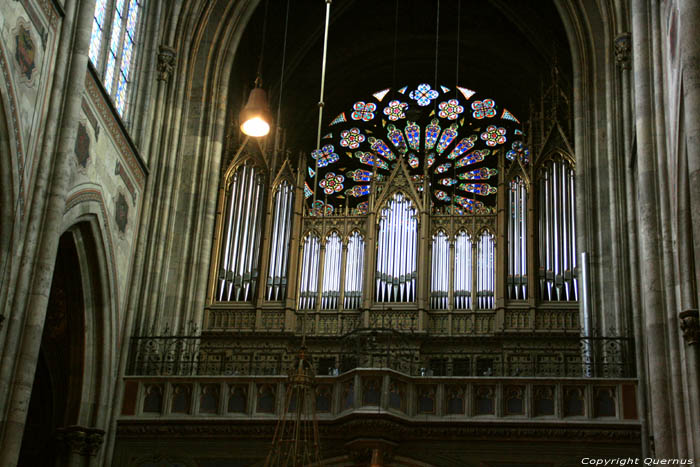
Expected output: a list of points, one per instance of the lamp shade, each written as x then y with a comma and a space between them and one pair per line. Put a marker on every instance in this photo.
255, 116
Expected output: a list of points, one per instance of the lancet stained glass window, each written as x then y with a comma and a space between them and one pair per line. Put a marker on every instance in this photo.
113, 38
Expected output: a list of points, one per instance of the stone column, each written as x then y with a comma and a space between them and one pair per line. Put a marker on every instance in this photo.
40, 268
648, 229
79, 443
690, 327
623, 49
690, 72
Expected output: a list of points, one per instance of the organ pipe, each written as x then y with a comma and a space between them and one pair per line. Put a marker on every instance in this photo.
517, 240
463, 272
486, 278
439, 286
353, 272
309, 273
239, 257
557, 223
279, 246
331, 273
396, 252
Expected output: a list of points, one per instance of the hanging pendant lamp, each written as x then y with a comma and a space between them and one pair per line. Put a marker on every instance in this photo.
255, 117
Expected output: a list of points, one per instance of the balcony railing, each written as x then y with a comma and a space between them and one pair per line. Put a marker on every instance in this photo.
404, 352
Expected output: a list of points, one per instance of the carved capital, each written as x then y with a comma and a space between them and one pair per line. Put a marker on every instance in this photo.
80, 440
166, 62
623, 47
690, 326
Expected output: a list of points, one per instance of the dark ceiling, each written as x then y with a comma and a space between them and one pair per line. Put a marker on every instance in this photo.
505, 51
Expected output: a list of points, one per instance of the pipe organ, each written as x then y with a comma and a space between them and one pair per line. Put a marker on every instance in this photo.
439, 280
308, 290
238, 261
279, 243
438, 213
517, 240
557, 232
396, 252
354, 267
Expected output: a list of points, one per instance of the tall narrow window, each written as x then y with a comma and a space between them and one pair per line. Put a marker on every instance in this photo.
517, 240
463, 272
97, 31
486, 277
238, 261
353, 272
279, 245
330, 294
308, 281
116, 21
396, 252
439, 279
557, 232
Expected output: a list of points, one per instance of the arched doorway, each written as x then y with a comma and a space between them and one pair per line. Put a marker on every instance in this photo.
56, 393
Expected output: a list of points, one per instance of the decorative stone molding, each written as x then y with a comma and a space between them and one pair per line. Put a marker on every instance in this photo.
166, 62
623, 48
81, 440
690, 326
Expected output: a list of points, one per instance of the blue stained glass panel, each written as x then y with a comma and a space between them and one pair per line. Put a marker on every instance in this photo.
109, 74
96, 36
120, 100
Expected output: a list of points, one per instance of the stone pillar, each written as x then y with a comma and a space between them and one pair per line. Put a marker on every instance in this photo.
623, 50
648, 229
690, 327
79, 443
39, 269
690, 72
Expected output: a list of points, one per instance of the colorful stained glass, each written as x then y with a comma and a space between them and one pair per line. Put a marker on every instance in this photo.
494, 135
431, 133
423, 94
483, 189
363, 111
396, 138
442, 196
312, 172
328, 136
483, 109
370, 159
413, 161
470, 205
351, 138
403, 89
467, 93
447, 181
97, 27
413, 135
450, 109
483, 173
381, 148
445, 89
518, 151
325, 155
114, 43
395, 110
463, 146
430, 159
379, 95
518, 132
339, 119
473, 157
418, 178
363, 208
358, 190
506, 115
442, 168
448, 135
307, 191
360, 175
331, 183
